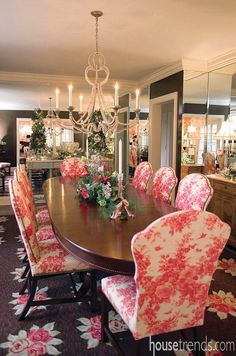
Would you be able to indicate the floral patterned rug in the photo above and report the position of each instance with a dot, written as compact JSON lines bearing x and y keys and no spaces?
{"x":70,"y":329}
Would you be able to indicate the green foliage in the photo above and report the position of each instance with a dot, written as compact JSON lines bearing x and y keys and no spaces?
{"x":97,"y":139}
{"x":38,"y":136}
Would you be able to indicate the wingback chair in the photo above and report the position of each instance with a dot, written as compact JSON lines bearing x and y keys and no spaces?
{"x":164,"y":182}
{"x":175,"y":258}
{"x":46,"y":258}
{"x":194,"y":192}
{"x":143,"y":173}
{"x":73,"y":166}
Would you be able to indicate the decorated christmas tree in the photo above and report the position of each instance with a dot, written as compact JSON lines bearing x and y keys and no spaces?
{"x":97,"y":139}
{"x":38,"y":136}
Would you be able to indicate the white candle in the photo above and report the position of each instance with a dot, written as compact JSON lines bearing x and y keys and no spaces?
{"x":57,"y":98}
{"x":120,"y":157}
{"x":70,"y":87}
{"x":137,"y":99}
{"x":87,"y":150}
{"x":81,"y":103}
{"x":116,"y":94}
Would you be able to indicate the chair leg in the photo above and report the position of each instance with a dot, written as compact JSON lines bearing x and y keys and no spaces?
{"x":25,"y":259}
{"x":104,"y":318}
{"x":24,"y":287}
{"x":31,"y":298}
{"x":26,"y":270}
{"x":94,"y":301}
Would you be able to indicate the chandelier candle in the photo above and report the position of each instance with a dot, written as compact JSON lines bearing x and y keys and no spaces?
{"x":120,"y":157}
{"x":70,"y":87}
{"x":116,"y":94}
{"x":57,"y":98}
{"x":137,"y":99}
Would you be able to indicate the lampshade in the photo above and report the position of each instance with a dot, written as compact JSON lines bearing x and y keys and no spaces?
{"x":227,"y":131}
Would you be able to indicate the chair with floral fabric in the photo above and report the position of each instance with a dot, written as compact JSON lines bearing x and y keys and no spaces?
{"x":194,"y":192}
{"x":175,"y":258}
{"x":73,"y":166}
{"x":46,"y":258}
{"x":209,"y":161}
{"x":164,"y":183}
{"x":143,"y":173}
{"x":41,"y":213}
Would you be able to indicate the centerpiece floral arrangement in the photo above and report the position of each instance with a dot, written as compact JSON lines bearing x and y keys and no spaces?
{"x":99,"y":185}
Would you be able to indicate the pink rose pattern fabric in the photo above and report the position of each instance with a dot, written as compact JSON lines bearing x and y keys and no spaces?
{"x":194,"y":192}
{"x":209,"y":163}
{"x":142,"y":175}
{"x":175,"y":258}
{"x":38,"y":341}
{"x":73,"y":166}
{"x":45,"y":257}
{"x":164,"y":182}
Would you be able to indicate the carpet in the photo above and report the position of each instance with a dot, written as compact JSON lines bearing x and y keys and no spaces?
{"x":71,"y":329}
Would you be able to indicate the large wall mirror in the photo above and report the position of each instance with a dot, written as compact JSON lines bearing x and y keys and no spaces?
{"x":209,"y":100}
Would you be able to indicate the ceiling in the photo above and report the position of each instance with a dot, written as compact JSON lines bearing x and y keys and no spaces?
{"x":55,"y":37}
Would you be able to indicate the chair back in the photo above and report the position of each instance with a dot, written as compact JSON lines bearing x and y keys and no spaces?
{"x":194,"y":192}
{"x":73,"y":166}
{"x":209,"y":163}
{"x":175,"y":258}
{"x":163,"y":184}
{"x":142,"y":175}
{"x":25,"y":220}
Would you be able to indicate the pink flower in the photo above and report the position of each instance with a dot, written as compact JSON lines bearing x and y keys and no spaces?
{"x":95,"y":328}
{"x":84,"y":193}
{"x":24,"y":297}
{"x":39,"y":335}
{"x":105,"y":166}
{"x":106,"y":179}
{"x":37,"y":349}
{"x":18,"y":346}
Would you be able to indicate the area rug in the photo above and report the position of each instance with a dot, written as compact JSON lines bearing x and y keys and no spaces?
{"x":71,"y":329}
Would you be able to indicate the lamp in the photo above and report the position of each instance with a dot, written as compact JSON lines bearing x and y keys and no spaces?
{"x":227,"y":131}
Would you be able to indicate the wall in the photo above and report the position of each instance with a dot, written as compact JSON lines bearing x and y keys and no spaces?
{"x":8,"y":130}
{"x":173,"y":83}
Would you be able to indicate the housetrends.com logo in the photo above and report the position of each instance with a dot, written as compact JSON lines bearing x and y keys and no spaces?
{"x":191,"y":346}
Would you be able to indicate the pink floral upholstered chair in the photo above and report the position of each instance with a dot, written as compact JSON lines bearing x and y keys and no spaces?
{"x":143,"y":173}
{"x":209,"y":161}
{"x":163,"y":184}
{"x":175,"y":258}
{"x":41,"y":214}
{"x":46,"y":258}
{"x":73,"y":166}
{"x":194,"y":192}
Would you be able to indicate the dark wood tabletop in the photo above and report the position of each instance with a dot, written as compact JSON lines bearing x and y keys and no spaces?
{"x":103,"y":243}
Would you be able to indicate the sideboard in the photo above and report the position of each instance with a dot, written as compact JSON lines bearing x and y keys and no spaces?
{"x":223,"y":202}
{"x":49,"y":164}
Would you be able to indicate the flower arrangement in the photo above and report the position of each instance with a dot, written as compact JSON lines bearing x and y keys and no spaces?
{"x":99,"y":185}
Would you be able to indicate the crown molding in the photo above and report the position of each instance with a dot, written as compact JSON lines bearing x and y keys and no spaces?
{"x":161,"y":73}
{"x":222,"y":60}
{"x":50,"y":79}
{"x":194,"y":65}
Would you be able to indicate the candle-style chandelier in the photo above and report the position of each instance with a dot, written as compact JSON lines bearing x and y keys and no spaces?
{"x":110,"y":121}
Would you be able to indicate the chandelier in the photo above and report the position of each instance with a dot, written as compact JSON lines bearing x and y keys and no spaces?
{"x":110,"y":121}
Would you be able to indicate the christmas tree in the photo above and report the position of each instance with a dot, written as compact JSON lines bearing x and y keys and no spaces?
{"x":38,"y":136}
{"x":97,"y":139}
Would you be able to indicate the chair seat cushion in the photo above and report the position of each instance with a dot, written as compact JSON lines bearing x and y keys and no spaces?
{"x":54,"y":259}
{"x":121,"y":293}
{"x":42,"y":217}
{"x":45,"y":233}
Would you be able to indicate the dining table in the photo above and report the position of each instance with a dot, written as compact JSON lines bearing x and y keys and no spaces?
{"x":105,"y":244}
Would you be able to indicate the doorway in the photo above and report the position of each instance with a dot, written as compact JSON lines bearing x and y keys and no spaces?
{"x":163,"y":131}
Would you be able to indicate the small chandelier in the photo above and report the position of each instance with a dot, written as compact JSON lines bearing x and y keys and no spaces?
{"x":110,"y":121}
